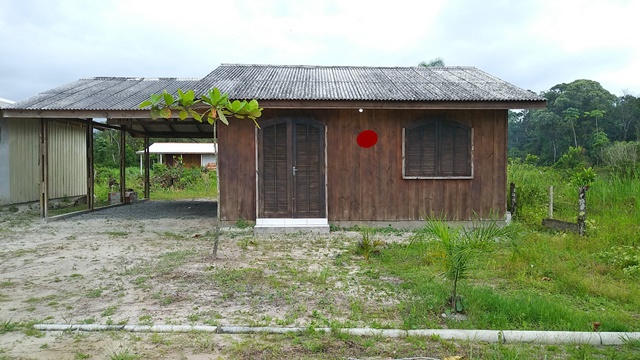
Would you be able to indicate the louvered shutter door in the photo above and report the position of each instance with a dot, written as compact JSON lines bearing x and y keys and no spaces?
{"x":275,"y":171}
{"x":309,"y":178}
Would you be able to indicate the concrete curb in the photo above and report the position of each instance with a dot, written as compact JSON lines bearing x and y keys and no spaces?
{"x":490,"y":336}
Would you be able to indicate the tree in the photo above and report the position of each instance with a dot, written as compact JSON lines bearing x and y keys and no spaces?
{"x":212,"y":106}
{"x":595,"y":114}
{"x":571,"y":115}
{"x":626,"y":115}
{"x":435,"y":62}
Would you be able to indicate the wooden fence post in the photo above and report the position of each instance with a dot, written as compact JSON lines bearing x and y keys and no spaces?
{"x":582,"y":208}
{"x":514,"y":204}
{"x":551,"y":202}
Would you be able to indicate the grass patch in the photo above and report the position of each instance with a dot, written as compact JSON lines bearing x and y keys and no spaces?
{"x":7,"y":284}
{"x":94,"y":293}
{"x":117,"y":233}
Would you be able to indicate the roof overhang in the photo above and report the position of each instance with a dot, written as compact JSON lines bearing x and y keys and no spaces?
{"x":287,"y":104}
{"x":402,"y":105}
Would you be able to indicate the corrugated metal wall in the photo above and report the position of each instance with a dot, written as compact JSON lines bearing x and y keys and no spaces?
{"x":67,"y":160}
{"x":23,"y":157}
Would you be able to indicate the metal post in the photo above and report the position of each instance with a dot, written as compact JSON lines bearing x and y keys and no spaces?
{"x":123,"y":175}
{"x":147,"y":166}
{"x":44,"y":168}
{"x":90,"y":170}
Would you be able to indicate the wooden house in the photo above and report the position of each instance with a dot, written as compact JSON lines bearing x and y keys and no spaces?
{"x":336,"y":144}
{"x":374,"y":145}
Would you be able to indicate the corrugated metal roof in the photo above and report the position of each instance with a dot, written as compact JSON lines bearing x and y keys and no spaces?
{"x":181,"y":148}
{"x":287,"y":82}
{"x":103,"y":93}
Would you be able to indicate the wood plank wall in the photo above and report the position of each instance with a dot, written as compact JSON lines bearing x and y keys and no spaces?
{"x":366,"y":184}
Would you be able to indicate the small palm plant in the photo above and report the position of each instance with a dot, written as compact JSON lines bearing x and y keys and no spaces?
{"x":460,"y":246}
{"x":368,"y":246}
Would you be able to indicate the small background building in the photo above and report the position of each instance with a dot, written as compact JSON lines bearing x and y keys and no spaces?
{"x":192,"y":154}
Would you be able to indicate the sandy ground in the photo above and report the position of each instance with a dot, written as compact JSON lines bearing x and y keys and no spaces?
{"x":139,"y":265}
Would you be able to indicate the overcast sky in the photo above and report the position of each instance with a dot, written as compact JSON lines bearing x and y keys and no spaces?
{"x":534,"y":44}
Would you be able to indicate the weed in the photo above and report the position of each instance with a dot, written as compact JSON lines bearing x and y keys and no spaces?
{"x":245,"y":242}
{"x":123,"y":354}
{"x":109,"y":311}
{"x":368,"y":246}
{"x":117,"y":233}
{"x":172,"y":235}
{"x":80,"y":356}
{"x":7,"y":326}
{"x":91,"y":320}
{"x":95,"y":293}
{"x":145,"y":320}
{"x":243,"y":224}
{"x":7,"y":283}
{"x":159,"y":339}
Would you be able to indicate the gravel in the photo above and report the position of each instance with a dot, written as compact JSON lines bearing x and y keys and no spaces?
{"x":157,"y":209}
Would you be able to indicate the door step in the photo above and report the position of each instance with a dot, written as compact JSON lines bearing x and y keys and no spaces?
{"x":274,"y":226}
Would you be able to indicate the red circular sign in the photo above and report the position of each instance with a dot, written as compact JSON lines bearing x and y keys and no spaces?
{"x":367,"y":138}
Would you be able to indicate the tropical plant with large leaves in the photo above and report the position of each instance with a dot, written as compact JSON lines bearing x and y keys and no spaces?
{"x":211,"y":106}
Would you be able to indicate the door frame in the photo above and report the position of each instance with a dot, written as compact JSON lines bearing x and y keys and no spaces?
{"x":290,"y":221}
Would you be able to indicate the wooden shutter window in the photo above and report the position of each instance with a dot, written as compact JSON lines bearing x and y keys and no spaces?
{"x":437,"y":149}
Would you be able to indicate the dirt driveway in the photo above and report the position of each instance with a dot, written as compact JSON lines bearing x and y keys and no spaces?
{"x":150,"y":263}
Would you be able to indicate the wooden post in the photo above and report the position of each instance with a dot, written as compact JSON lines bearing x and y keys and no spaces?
{"x":582,"y":208}
{"x":44,"y":168}
{"x":514,"y":203}
{"x":551,"y":202}
{"x":123,"y":175}
{"x":147,"y":166}
{"x":90,"y":172}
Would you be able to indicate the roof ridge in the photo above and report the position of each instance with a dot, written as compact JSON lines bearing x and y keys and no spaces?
{"x":132,"y":78}
{"x":349,"y":66}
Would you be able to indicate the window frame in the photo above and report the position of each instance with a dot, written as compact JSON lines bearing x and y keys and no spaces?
{"x":431,"y":177}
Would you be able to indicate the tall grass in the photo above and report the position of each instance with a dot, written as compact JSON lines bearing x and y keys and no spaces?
{"x":548,"y":280}
{"x":194,"y":183}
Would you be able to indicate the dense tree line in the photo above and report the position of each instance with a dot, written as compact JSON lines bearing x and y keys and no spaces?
{"x":581,"y":115}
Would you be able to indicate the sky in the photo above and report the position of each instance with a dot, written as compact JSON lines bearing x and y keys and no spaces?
{"x":534,"y":44}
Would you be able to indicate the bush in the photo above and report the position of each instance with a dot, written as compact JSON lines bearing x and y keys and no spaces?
{"x":573,"y":160}
{"x":622,"y":158}
{"x":176,"y":177}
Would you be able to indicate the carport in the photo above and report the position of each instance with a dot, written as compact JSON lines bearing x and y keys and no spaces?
{"x":102,"y":103}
